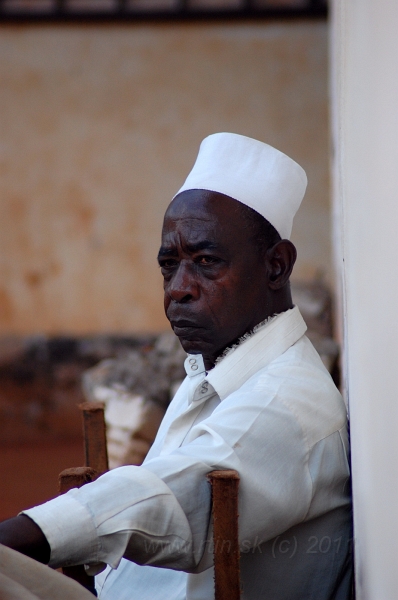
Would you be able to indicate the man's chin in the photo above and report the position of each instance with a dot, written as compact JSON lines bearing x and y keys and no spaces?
{"x":193,"y":345}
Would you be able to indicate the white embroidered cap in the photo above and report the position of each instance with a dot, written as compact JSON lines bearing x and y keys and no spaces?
{"x":253,"y":173}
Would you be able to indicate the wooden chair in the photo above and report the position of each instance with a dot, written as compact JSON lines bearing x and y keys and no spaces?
{"x":224,"y":487}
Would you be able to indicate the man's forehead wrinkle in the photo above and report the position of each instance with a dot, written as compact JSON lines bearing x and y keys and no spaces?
{"x":187,"y":224}
{"x":170,"y":243}
{"x":190,"y":231}
{"x":202,"y":245}
{"x":188,"y":218}
{"x":210,"y":223}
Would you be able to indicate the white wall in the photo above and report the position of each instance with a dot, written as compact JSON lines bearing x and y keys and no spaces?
{"x":365,"y":123}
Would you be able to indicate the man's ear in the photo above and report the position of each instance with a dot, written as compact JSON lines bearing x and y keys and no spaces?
{"x":280,"y":262}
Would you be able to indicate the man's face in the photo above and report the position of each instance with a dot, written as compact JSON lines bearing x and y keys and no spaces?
{"x":215,"y":278}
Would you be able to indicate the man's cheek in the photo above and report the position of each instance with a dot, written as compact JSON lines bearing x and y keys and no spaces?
{"x":166,"y":303}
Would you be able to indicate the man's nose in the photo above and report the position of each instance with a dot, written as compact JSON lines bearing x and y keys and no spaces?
{"x":183,"y":286}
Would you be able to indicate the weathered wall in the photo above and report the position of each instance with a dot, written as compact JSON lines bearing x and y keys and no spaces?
{"x":99,"y":127}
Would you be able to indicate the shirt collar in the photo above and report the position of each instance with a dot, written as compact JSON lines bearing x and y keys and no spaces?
{"x":194,"y":365}
{"x":252,"y":354}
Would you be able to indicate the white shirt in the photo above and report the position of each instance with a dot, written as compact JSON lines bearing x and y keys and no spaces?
{"x":270,"y":410}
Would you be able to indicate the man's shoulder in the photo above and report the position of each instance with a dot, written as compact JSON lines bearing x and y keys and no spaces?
{"x":301,"y":359}
{"x":298,"y":385}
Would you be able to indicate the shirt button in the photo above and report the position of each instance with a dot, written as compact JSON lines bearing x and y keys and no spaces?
{"x":192,"y":362}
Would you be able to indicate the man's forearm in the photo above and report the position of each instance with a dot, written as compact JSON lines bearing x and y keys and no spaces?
{"x":22,"y":534}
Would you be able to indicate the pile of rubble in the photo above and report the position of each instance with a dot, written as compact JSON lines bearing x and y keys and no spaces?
{"x":40,"y":382}
{"x":136,"y":390}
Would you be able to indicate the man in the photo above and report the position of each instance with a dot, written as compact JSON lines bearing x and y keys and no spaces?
{"x":257,"y":399}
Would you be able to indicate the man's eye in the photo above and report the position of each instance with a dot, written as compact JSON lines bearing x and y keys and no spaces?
{"x":168,"y":263}
{"x":207,"y":260}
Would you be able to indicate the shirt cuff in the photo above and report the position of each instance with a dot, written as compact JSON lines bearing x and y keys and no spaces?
{"x":63,"y":521}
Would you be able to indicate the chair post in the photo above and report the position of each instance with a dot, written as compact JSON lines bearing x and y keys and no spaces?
{"x":224,"y":485}
{"x":94,"y":431}
{"x":75,"y":478}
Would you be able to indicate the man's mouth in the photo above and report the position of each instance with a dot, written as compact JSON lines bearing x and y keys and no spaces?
{"x":184,"y":327}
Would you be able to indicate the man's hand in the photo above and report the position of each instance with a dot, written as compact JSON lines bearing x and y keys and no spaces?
{"x":22,"y":534}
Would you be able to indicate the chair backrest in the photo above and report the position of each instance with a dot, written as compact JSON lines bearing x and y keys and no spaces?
{"x":224,"y":486}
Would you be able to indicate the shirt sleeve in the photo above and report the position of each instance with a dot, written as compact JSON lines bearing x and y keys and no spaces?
{"x":127,"y":512}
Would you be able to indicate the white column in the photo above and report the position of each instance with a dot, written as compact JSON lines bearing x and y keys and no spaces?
{"x":365,"y":138}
